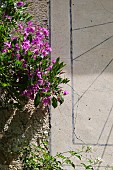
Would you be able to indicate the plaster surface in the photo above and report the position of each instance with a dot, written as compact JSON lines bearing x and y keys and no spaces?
{"x":82,"y":35}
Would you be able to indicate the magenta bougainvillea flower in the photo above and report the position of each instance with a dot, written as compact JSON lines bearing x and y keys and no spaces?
{"x":20,"y":3}
{"x":7,"y":45}
{"x":65,"y":92}
{"x":36,"y":77}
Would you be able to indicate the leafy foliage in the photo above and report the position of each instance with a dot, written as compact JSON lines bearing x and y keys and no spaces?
{"x":26,"y":70}
{"x":38,"y":158}
{"x":10,"y":14}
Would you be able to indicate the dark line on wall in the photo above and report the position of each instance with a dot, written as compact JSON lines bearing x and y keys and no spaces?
{"x":105,"y":124}
{"x":94,"y":81}
{"x":93,"y":47}
{"x":49,"y":109}
{"x":93,"y":144}
{"x":95,"y":166}
{"x":106,"y":144}
{"x":71,"y":57}
{"x":107,"y":141}
{"x":90,"y":26}
{"x":85,"y":93}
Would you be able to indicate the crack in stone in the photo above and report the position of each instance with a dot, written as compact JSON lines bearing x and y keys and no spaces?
{"x":93,"y":47}
{"x":91,"y":26}
{"x":78,"y":138}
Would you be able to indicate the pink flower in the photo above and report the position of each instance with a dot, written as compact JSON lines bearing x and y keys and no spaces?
{"x":8,"y":17}
{"x":39,"y":34}
{"x":49,"y":49}
{"x":41,"y":44}
{"x":17,"y":47}
{"x":26,"y":45}
{"x":18,"y":56}
{"x":25,"y":34}
{"x":24,"y":63}
{"x":44,"y":52}
{"x":27,"y":29}
{"x":58,"y":98}
{"x":36,"y":41}
{"x":7,"y":44}
{"x":30,"y":29}
{"x":34,"y":88}
{"x":46,"y":89}
{"x":14,"y":38}
{"x":4,"y":51}
{"x":46,"y":101}
{"x":20,"y":4}
{"x":34,"y":57}
{"x":53,"y":61}
{"x":48,"y":84}
{"x":29,"y":23}
{"x":45,"y":31}
{"x":20,"y":26}
{"x":39,"y":75}
{"x":28,"y":93}
{"x":40,"y":82}
{"x":49,"y":68}
{"x":65,"y":92}
{"x":36,"y":51}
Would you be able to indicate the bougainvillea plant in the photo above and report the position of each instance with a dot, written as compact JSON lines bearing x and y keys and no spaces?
{"x":11,"y":12}
{"x":26,"y":71}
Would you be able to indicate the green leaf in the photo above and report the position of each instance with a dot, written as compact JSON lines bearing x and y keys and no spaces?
{"x":61,"y":100}
{"x":87,"y":167}
{"x":29,"y":53}
{"x":72,"y":164}
{"x":5,"y":84}
{"x":46,"y":93}
{"x":59,"y":155}
{"x":68,"y":161}
{"x":37,"y":99}
{"x":54,"y":102}
{"x":78,"y":156}
{"x":65,"y":81}
{"x":28,"y":18}
{"x":18,"y":63}
{"x":29,"y":38}
{"x":57,"y":60}
{"x":75,"y":154}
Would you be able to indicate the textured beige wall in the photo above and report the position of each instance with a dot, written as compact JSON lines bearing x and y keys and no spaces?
{"x":86,"y":117}
{"x":29,"y":125}
{"x":39,"y":10}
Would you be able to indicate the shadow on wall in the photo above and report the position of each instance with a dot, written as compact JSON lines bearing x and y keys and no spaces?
{"x":93,"y":60}
{"x":18,"y":127}
{"x":92,"y":30}
{"x":88,"y":60}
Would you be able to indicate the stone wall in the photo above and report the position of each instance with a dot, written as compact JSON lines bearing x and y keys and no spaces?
{"x":39,"y":10}
{"x":82,"y":35}
{"x":28,"y":125}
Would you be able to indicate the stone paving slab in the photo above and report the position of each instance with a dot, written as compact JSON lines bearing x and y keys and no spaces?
{"x":82,"y":35}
